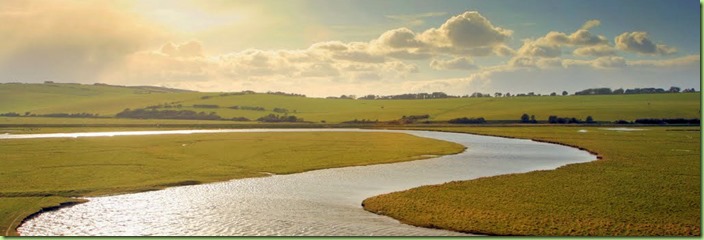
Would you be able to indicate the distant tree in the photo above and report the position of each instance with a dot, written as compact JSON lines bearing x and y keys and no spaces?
{"x":531,"y":94}
{"x":590,"y":119}
{"x":10,"y":114}
{"x":688,"y":90}
{"x":594,"y":91}
{"x":553,"y":94}
{"x":525,"y":118}
{"x":465,"y":120}
{"x":476,"y":95}
{"x":564,"y":93}
{"x":508,"y":94}
{"x":674,"y":89}
{"x":497,"y":94}
{"x":552,"y":119}
{"x":618,"y":91}
{"x":532,"y":119}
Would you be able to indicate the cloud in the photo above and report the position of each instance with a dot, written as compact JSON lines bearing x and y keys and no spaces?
{"x":590,"y":24}
{"x":638,"y":42}
{"x":540,"y":48}
{"x":552,"y":44}
{"x":609,"y":62}
{"x":460,"y":63}
{"x":469,"y":33}
{"x":467,"y":30}
{"x":584,"y":37}
{"x":187,"y":50}
{"x":333,"y":46}
{"x":400,"y":38}
{"x":597,"y":51}
{"x":691,"y":60}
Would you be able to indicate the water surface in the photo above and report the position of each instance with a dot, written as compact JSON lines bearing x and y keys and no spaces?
{"x":316,"y":203}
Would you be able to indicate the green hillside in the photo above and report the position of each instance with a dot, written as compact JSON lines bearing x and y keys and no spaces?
{"x":76,"y":98}
{"x":110,"y":100}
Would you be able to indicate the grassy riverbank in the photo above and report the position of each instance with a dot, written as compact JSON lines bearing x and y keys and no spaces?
{"x":647,"y":184}
{"x":40,"y":173}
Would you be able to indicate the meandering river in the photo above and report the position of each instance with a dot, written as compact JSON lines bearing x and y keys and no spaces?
{"x":316,"y":203}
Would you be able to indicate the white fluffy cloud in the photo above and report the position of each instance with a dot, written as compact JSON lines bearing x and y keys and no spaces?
{"x":597,"y":51}
{"x":460,"y":63}
{"x":552,"y":44}
{"x":401,"y":38}
{"x":469,"y":33}
{"x":590,"y":24}
{"x":467,"y":30}
{"x":540,"y":48}
{"x":638,"y":42}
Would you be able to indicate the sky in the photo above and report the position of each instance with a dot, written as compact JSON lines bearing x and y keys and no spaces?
{"x":354,"y":47}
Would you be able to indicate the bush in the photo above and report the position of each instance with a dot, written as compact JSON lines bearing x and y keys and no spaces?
{"x":205,"y":106}
{"x":240,"y":119}
{"x":166,"y":114}
{"x":277,"y":118}
{"x":694,"y":121}
{"x":465,"y":120}
{"x":10,"y":114}
{"x":280,"y":110}
{"x":363,"y":121}
{"x":414,"y":118}
{"x":563,"y":120}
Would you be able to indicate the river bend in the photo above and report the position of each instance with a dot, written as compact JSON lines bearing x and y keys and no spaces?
{"x":316,"y":203}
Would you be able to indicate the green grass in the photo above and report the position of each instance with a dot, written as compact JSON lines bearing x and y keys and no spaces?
{"x":43,"y":172}
{"x":76,"y":98}
{"x":602,"y":108}
{"x":647,"y":184}
{"x":109,"y":100}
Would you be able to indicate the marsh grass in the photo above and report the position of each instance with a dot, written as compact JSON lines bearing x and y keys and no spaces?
{"x":647,"y":184}
{"x":45,"y":172}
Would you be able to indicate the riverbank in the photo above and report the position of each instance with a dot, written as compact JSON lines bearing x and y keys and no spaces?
{"x":646,"y":184}
{"x":293,"y":205}
{"x":46,"y":172}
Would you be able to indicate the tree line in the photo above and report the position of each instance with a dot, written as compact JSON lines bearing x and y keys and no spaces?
{"x":192,"y":115}
{"x":607,"y":91}
{"x":590,"y":91}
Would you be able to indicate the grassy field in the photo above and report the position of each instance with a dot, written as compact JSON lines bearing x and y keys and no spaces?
{"x":76,"y":98}
{"x":45,"y":172}
{"x":110,"y":100}
{"x":647,"y":184}
{"x":602,"y":108}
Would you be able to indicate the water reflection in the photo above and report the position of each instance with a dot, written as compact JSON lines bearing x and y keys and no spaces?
{"x":317,"y":203}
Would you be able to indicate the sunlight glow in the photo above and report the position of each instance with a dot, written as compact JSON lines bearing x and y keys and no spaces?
{"x":187,"y":18}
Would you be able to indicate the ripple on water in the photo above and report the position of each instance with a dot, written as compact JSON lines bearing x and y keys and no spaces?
{"x":316,"y":203}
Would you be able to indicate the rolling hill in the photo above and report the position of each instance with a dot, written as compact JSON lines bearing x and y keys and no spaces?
{"x":107,"y":100}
